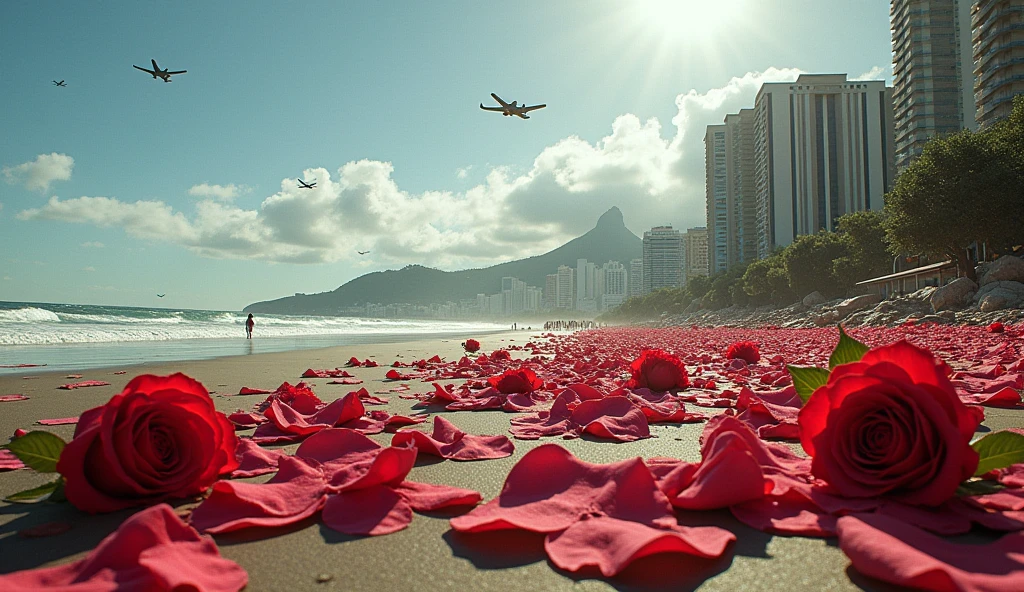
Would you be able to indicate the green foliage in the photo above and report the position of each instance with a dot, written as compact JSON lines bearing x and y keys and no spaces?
{"x":39,"y":450}
{"x":847,"y":350}
{"x":964,"y":188}
{"x":998,"y":450}
{"x":806,"y":379}
{"x":808,"y":263}
{"x":53,"y":491}
{"x":864,"y":235}
{"x":766,"y":282}
{"x":698,"y":286}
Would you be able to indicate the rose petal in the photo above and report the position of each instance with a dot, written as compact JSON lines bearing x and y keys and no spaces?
{"x":611,"y":544}
{"x":427,"y":497}
{"x":372,"y":511}
{"x":895,"y":552}
{"x":448,"y":441}
{"x":254,"y":460}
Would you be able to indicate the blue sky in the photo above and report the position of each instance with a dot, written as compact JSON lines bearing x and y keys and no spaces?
{"x":119,"y":186}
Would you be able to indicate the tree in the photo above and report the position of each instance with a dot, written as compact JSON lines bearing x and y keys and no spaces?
{"x":808,"y":261}
{"x":698,"y":285}
{"x":868,"y":257}
{"x":961,"y":190}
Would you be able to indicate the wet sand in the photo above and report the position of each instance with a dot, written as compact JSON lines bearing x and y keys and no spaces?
{"x":428,"y":555}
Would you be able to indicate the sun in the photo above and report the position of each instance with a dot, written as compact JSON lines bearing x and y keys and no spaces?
{"x":686,"y":20}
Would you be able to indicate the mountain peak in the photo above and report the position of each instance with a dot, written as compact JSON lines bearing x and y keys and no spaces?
{"x":611,"y":219}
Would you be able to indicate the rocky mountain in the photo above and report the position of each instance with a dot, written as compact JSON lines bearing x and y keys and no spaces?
{"x":609,"y":240}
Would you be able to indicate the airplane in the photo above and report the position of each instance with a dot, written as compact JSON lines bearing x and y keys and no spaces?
{"x":305,"y":185}
{"x":61,"y":83}
{"x":160,"y":295}
{"x":362,"y":252}
{"x":512,"y":108}
{"x":158,"y":73}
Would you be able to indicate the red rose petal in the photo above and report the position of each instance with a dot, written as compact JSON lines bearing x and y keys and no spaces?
{"x":9,"y":398}
{"x":372,"y":511}
{"x":152,"y":550}
{"x":895,"y":552}
{"x":253,"y":460}
{"x":611,"y":544}
{"x":295,"y":493}
{"x":58,"y":421}
{"x":427,"y":497}
{"x":44,"y":530}
{"x":448,"y":441}
{"x":253,"y":391}
{"x":10,"y":462}
{"x":87,"y":383}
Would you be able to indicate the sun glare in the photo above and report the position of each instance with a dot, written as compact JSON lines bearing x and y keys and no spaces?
{"x":686,"y":20}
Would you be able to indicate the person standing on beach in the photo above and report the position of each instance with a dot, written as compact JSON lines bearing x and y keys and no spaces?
{"x":248,"y":326}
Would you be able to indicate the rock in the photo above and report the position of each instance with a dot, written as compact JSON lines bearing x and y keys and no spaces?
{"x":813,"y":299}
{"x":829,"y":317}
{"x":1004,"y":269}
{"x":955,"y":294}
{"x":857,"y":303}
{"x":999,"y":295}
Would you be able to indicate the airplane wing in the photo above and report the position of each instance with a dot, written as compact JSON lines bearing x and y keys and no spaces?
{"x":500,"y":102}
{"x":155,"y":67}
{"x":533,"y":108}
{"x":490,"y":108}
{"x":178,"y":72}
{"x":144,"y":70}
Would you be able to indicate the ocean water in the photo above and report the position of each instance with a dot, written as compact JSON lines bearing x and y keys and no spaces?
{"x":71,"y":336}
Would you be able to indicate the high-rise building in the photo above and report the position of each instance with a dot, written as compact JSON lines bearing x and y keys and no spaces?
{"x":998,"y":37}
{"x":731,"y":193}
{"x":534,"y":297}
{"x":616,"y":284}
{"x":663,"y":259}
{"x":823,"y":147}
{"x":696,"y":252}
{"x":586,"y":285}
{"x":550,"y":291}
{"x":932,"y":61}
{"x":636,"y":277}
{"x":565,"y":297}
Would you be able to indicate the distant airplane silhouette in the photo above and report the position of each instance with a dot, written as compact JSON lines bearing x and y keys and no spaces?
{"x":362,"y":252}
{"x":61,"y":83}
{"x":304,"y":185}
{"x":160,"y":295}
{"x":512,"y":108}
{"x":158,"y":73}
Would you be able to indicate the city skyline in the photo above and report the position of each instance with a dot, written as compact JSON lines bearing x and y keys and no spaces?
{"x":123,"y":187}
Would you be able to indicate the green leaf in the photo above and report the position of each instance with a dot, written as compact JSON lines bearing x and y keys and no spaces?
{"x":998,"y":451}
{"x":39,"y":450}
{"x":978,"y":487}
{"x":806,"y":379}
{"x":37,"y":494}
{"x":847,"y":350}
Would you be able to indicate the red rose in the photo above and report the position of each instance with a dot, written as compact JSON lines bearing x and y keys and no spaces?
{"x":890,"y":424}
{"x":520,"y":380}
{"x":160,"y":438}
{"x":501,"y":354}
{"x":658,"y":370}
{"x":744,"y":350}
{"x":471,"y":345}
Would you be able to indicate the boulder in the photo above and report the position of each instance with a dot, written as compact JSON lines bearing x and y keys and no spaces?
{"x":1004,"y":269}
{"x":955,"y":294}
{"x":999,"y":295}
{"x":857,"y":303}
{"x":813,"y":299}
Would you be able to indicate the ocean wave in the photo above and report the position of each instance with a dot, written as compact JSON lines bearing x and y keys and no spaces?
{"x":28,"y":315}
{"x":117,"y":319}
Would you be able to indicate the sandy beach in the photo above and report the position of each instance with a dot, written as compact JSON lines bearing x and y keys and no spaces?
{"x":427,"y":555}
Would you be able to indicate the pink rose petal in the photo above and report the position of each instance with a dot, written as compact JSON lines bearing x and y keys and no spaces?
{"x":448,"y":441}
{"x":295,"y":493}
{"x":8,"y":398}
{"x":895,"y":552}
{"x":372,"y":511}
{"x":86,"y":383}
{"x":427,"y":497}
{"x":253,"y":460}
{"x":152,"y":550}
{"x":10,"y":462}
{"x":58,"y":421}
{"x":611,"y":545}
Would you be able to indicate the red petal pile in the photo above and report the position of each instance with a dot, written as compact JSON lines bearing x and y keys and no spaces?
{"x":448,"y":441}
{"x":83,"y":384}
{"x":359,"y":485}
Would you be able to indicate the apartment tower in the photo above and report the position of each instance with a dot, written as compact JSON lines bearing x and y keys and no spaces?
{"x":696,"y":252}
{"x":998,"y":36}
{"x":823,"y":147}
{"x":933,"y":81}
{"x":663,"y":259}
{"x":730,"y":188}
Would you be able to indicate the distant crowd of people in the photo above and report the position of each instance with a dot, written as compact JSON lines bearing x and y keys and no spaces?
{"x":569,"y":325}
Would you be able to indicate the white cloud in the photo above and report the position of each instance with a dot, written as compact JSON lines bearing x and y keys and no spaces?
{"x":38,"y":174}
{"x":7,"y":278}
{"x":463,"y":172}
{"x":877,"y":73}
{"x":89,"y":268}
{"x":93,"y":245}
{"x":653,"y":178}
{"x":219,"y":192}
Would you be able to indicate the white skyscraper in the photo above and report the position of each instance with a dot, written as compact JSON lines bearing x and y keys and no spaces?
{"x":823,"y":147}
{"x":663,"y":259}
{"x":636,"y":277}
